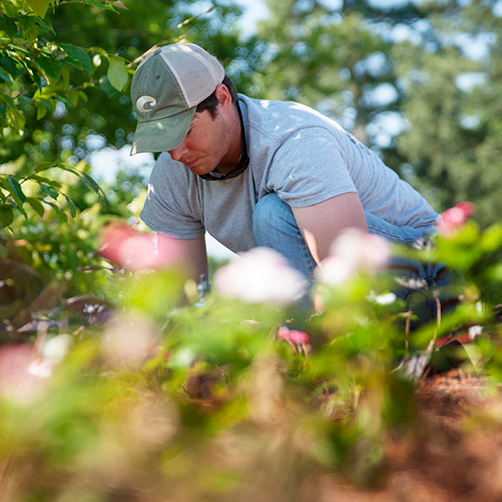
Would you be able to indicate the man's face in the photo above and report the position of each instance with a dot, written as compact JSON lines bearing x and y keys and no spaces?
{"x":206,"y":146}
{"x":212,"y":144}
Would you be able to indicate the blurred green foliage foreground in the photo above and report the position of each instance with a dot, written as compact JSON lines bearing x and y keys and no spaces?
{"x":133,"y":393}
{"x":117,"y":381}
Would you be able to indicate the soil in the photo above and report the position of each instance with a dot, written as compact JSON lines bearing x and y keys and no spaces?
{"x":455,"y":455}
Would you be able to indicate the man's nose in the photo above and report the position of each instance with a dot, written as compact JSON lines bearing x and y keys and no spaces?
{"x":178,"y":152}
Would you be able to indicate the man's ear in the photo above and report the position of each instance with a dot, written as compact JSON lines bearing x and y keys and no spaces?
{"x":223,"y":95}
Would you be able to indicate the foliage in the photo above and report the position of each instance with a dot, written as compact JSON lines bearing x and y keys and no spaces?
{"x":64,"y":84}
{"x":114,"y":387}
{"x":162,"y":390}
{"x":452,"y":78}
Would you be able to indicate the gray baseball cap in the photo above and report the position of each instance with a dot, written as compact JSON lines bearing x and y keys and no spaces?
{"x":165,"y":91}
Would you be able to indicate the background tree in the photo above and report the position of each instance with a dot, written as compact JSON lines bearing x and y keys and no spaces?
{"x":66,"y":69}
{"x":452,"y":82}
{"x":405,"y":78}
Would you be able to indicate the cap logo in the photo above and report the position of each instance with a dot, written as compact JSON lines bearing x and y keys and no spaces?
{"x":140,"y":104}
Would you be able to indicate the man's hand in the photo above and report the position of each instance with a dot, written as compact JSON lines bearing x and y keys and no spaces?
{"x":321,"y":223}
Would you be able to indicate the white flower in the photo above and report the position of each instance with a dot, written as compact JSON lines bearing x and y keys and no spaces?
{"x":335,"y":270}
{"x":260,"y":276}
{"x":363,"y":250}
{"x":475,"y":331}
{"x":57,"y":347}
{"x":385,"y":299}
{"x":41,"y":368}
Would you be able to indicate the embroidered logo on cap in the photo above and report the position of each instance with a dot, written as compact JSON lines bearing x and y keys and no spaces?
{"x":140,"y":104}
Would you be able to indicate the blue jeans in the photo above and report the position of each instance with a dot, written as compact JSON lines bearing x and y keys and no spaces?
{"x":274,"y":226}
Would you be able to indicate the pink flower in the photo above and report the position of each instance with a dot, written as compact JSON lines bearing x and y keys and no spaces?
{"x":351,"y":251}
{"x":292,"y":335}
{"x":335,"y":270}
{"x":23,"y":375}
{"x":134,"y":250}
{"x":455,"y":217}
{"x":260,"y":276}
{"x":365,"y":251}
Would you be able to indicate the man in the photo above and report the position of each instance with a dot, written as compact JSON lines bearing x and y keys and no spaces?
{"x":257,"y":173}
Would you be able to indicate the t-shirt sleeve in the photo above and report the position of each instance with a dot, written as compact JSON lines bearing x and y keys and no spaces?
{"x":308,"y":168}
{"x":168,"y":207}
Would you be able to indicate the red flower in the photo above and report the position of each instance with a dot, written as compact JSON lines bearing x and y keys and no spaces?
{"x":455,"y":217}
{"x":292,"y":335}
{"x":134,"y":250}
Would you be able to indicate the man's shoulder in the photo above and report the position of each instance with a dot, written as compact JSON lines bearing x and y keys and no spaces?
{"x":279,"y":119}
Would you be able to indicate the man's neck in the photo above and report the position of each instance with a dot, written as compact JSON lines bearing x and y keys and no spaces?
{"x":231,"y":160}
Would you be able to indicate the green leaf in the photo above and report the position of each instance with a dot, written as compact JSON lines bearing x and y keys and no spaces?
{"x":45,"y":26}
{"x":16,"y":188}
{"x":33,"y":71}
{"x":52,"y":67}
{"x":43,"y":166}
{"x":8,"y":26}
{"x":10,"y":9}
{"x":5,"y":76}
{"x":106,"y":86}
{"x":65,"y":74}
{"x":6,"y":215}
{"x":99,"y":5}
{"x":36,"y":205}
{"x":38,"y":6}
{"x":8,"y":100}
{"x":56,"y":208}
{"x":26,"y":23}
{"x":90,"y":181}
{"x":11,"y":63}
{"x":15,"y":119}
{"x":51,"y":191}
{"x":73,"y":207}
{"x":42,"y":107}
{"x":77,"y":57}
{"x":117,"y":73}
{"x":46,"y":181}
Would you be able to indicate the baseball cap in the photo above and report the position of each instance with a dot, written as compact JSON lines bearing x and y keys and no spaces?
{"x":165,"y":91}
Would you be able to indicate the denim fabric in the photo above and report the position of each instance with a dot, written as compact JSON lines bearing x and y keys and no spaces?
{"x":274,"y":226}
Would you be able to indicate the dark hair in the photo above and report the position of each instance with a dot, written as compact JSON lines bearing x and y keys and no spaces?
{"x":211,"y":103}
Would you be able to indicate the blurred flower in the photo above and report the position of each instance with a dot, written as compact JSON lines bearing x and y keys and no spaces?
{"x":130,"y":341}
{"x":260,"y":276}
{"x":365,"y":251}
{"x":135,"y":250}
{"x":455,"y":217}
{"x":335,"y":270}
{"x":292,"y":335}
{"x":351,"y":251}
{"x":41,"y":368}
{"x":475,"y":331}
{"x":57,"y":347}
{"x":385,"y":299}
{"x":23,"y":376}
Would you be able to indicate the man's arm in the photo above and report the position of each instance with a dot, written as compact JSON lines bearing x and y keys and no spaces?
{"x":321,"y":223}
{"x":193,"y":252}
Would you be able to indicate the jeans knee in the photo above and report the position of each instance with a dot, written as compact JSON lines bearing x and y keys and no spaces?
{"x":265,"y":214}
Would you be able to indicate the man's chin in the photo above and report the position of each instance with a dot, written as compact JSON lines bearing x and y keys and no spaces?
{"x":201,"y":169}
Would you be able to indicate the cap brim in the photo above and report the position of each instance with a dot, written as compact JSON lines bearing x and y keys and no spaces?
{"x":162,"y":135}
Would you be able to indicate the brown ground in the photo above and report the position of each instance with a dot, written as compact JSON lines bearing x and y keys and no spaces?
{"x":456,"y":454}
